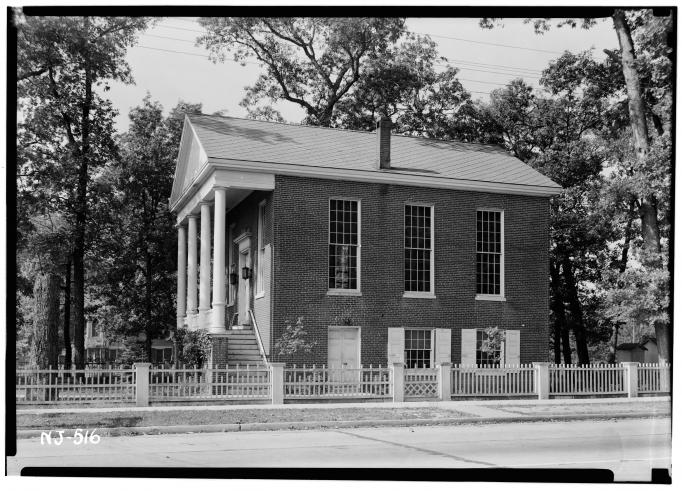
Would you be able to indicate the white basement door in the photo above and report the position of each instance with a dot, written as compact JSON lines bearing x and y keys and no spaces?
{"x":344,"y":347}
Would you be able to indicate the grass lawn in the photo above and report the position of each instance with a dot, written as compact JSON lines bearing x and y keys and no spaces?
{"x":641,"y":405}
{"x":184,"y":417}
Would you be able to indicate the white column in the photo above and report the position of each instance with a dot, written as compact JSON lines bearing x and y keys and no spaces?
{"x":205,"y":263}
{"x":218,"y":323}
{"x":182,"y":275}
{"x":192,"y":265}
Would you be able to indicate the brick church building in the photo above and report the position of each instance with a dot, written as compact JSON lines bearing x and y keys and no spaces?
{"x":390,"y":248}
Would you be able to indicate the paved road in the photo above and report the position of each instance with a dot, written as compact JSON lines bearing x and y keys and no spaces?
{"x":628,"y":447}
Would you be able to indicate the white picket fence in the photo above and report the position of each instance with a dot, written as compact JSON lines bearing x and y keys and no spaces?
{"x":505,"y":380}
{"x":277,"y":383}
{"x":653,"y":378}
{"x":587,"y":380}
{"x":187,"y":384}
{"x":61,"y":386}
{"x":337,"y":383}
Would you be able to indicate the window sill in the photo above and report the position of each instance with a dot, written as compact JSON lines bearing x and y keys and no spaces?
{"x":344,"y":293}
{"x":491,"y":298}
{"x":259,"y":295}
{"x":419,"y":295}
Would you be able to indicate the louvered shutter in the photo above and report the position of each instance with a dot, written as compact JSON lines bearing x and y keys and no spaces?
{"x":396,"y":345}
{"x":468,"y":347}
{"x":443,"y":346}
{"x":512,"y":347}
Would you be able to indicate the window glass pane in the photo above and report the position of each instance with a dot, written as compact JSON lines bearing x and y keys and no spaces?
{"x":343,"y":244}
{"x":417,"y":348}
{"x":488,"y":252}
{"x":418,"y":246}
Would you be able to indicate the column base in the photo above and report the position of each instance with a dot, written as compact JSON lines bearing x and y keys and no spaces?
{"x":217,"y":322}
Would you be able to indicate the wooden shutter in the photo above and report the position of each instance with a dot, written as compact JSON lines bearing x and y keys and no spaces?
{"x":396,"y":345}
{"x":512,"y":347}
{"x":468,"y":347}
{"x":443,"y":346}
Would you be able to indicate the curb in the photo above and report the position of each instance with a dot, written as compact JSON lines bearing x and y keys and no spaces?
{"x":310,"y":425}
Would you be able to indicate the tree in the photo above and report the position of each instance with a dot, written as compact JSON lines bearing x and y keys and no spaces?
{"x":137,"y":270}
{"x":646,"y":176}
{"x":422,"y":101}
{"x":310,"y":61}
{"x":41,"y":260}
{"x":62,"y":63}
{"x":558,"y":134}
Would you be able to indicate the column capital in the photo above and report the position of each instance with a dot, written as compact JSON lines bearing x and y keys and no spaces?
{"x":193,"y":216}
{"x":178,"y":226}
{"x":220,"y":188}
{"x":205,"y":202}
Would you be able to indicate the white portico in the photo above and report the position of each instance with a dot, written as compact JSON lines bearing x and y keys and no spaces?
{"x":204,"y":189}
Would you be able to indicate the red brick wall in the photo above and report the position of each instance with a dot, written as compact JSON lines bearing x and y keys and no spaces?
{"x":300,"y":214}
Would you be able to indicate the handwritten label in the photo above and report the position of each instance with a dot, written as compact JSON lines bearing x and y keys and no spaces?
{"x":80,"y":437}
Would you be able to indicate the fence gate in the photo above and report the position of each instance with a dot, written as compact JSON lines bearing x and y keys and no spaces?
{"x":421,"y":383}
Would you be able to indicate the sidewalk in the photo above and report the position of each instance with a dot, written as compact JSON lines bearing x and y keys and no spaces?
{"x":258,"y":417}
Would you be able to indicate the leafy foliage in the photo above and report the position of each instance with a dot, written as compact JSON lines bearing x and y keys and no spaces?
{"x":194,"y":347}
{"x":293,"y":339}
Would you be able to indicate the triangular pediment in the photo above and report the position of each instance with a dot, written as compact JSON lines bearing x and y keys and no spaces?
{"x":191,"y":160}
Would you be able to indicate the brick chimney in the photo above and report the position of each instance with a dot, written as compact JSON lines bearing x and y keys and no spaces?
{"x":384,"y":142}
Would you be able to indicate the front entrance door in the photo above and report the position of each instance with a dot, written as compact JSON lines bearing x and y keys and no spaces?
{"x":344,"y":347}
{"x":243,"y":289}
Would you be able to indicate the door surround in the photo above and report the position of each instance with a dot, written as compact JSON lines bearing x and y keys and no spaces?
{"x":243,"y":243}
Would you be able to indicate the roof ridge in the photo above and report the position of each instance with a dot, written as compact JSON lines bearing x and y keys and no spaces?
{"x":301,"y":125}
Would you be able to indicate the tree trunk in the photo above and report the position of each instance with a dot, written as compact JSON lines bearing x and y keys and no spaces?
{"x":148,"y":305}
{"x":566,"y":346}
{"x":67,"y":317}
{"x":614,"y":343}
{"x":648,"y":210}
{"x":81,"y":218}
{"x":576,"y":311}
{"x":558,"y":308}
{"x":45,"y":346}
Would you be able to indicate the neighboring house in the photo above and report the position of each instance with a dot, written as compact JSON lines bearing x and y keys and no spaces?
{"x":645,"y":351}
{"x":391,"y":248}
{"x":100,"y":350}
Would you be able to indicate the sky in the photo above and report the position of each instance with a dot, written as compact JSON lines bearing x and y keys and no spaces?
{"x":167,"y":64}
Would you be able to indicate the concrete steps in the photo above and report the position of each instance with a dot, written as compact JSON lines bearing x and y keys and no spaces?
{"x":242,"y":347}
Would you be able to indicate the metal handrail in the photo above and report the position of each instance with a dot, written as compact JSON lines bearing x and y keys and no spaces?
{"x":258,"y":338}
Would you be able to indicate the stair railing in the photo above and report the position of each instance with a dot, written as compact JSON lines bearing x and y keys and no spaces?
{"x":258,"y":338}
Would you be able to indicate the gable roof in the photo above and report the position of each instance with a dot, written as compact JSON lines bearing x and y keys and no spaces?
{"x":278,"y":146}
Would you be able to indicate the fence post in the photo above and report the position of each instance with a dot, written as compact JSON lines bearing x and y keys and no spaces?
{"x":630,"y":375}
{"x":277,"y":383}
{"x":542,"y":379}
{"x":444,"y":381}
{"x":398,"y":372}
{"x":664,"y":373}
{"x":142,"y":384}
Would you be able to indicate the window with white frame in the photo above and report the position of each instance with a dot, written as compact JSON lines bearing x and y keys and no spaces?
{"x":261,"y":249}
{"x":418,"y":348}
{"x":418,"y":248}
{"x":489,"y":252}
{"x":344,"y":244}
{"x":491,"y":356}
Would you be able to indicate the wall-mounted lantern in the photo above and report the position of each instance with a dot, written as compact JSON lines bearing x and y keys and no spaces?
{"x":233,"y":274}
{"x":246,"y":272}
